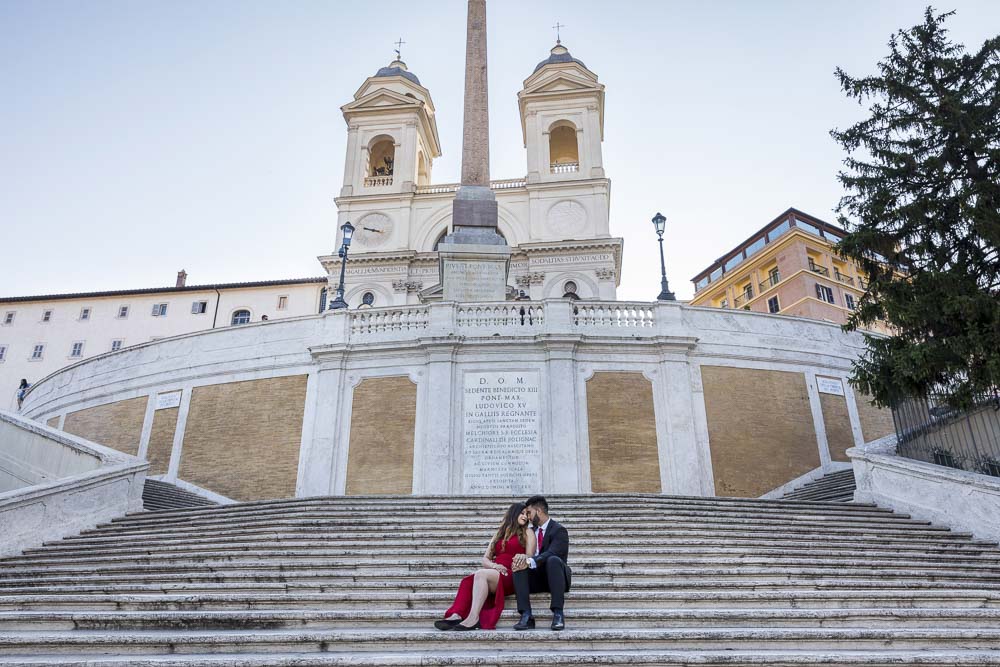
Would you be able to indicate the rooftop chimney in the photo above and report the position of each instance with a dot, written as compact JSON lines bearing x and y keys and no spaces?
{"x":182,"y":278}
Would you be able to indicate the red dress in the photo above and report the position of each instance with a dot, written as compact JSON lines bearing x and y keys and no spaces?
{"x":493,"y":606}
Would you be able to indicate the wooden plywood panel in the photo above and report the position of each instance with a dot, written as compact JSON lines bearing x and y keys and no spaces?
{"x":760,"y":429}
{"x":622,"y":433}
{"x":161,"y":440}
{"x":52,"y":422}
{"x":117,"y":425}
{"x":242,"y":439}
{"x":837,"y":420}
{"x":383,"y":419}
{"x":875,"y":422}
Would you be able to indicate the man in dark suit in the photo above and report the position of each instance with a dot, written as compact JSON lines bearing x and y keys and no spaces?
{"x":546,"y":569}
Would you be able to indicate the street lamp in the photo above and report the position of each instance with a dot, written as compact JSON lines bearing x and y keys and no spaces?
{"x":348,"y":229}
{"x":659,"y":222}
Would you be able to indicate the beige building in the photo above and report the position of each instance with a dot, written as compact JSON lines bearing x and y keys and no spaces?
{"x":787,"y":267}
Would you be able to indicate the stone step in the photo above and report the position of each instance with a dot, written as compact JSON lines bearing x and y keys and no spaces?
{"x":179,"y":641}
{"x":470,"y":552}
{"x":274,"y":572}
{"x":582,"y":618}
{"x":576,"y":657}
{"x":751,"y":597}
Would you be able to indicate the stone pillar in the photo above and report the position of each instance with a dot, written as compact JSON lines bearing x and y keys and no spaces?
{"x":476,"y":128}
{"x":563,"y":462}
{"x":436,"y":472}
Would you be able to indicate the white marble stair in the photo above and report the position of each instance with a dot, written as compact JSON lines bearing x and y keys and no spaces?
{"x":837,"y":487}
{"x":358,"y":581}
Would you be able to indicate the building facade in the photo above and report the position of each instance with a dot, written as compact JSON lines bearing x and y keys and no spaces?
{"x":787,"y":267}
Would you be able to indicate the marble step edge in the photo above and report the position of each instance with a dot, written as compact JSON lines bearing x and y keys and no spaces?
{"x":877,"y":657}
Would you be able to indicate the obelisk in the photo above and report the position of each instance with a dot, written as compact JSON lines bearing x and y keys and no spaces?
{"x":474,"y":258}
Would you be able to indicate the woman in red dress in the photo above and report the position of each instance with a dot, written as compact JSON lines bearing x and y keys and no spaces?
{"x":479,"y":602}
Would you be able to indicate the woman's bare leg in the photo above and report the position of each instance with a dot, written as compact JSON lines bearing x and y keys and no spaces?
{"x":484,"y":583}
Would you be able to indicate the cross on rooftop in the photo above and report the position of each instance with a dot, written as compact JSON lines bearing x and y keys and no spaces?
{"x":399,"y":44}
{"x":556,"y":27}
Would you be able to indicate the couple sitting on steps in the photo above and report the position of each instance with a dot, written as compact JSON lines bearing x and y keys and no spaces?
{"x":527,"y":555}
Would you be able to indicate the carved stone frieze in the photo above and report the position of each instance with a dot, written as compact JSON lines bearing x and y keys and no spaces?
{"x":605,"y":274}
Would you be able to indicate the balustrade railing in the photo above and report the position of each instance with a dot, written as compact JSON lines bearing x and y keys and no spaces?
{"x":847,"y":280}
{"x":772,"y":280}
{"x":505,"y":184}
{"x":378,"y":181}
{"x":821,"y":270}
{"x":565,"y":168}
{"x":374,"y":321}
{"x":515,"y":314}
{"x":614,"y":315}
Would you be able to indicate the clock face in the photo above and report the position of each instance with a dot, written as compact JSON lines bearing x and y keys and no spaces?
{"x":373,"y":231}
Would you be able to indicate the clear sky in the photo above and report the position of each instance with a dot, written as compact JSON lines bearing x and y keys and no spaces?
{"x":140,"y":138}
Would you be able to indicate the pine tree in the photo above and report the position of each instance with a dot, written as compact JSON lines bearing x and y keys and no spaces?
{"x":922,"y":210}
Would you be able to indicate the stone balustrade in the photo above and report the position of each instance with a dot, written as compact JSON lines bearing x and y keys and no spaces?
{"x":378,"y":181}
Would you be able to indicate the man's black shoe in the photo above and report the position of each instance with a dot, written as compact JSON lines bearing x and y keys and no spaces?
{"x":527,"y":622}
{"x":558,"y":620}
{"x":445,"y":624}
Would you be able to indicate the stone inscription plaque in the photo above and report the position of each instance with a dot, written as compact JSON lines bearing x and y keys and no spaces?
{"x":501,"y":444}
{"x":474,"y":280}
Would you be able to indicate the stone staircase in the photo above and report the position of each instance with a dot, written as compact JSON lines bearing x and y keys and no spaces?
{"x":837,"y":487}
{"x":658,"y":580}
{"x":157,"y":495}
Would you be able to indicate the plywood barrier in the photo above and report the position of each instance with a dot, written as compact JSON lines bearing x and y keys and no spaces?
{"x":53,"y":422}
{"x":383,"y":419}
{"x":161,"y":440}
{"x":837,"y":421}
{"x":117,"y":425}
{"x":242,"y":439}
{"x":622,"y":433}
{"x":760,"y":429}
{"x":875,"y":422}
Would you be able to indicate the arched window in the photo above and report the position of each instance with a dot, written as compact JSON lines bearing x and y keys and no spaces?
{"x":564,"y":154}
{"x":569,"y":291}
{"x":241,"y":316}
{"x":368,"y":300}
{"x":322,"y":300}
{"x":381,"y":162}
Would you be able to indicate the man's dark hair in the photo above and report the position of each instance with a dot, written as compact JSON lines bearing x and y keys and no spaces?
{"x":539,"y":502}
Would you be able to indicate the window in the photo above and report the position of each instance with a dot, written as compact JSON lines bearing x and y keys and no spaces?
{"x":701,"y":284}
{"x":774,"y":276}
{"x":122,"y":312}
{"x":849,"y":301}
{"x":778,"y":231}
{"x":47,"y":316}
{"x":77,"y":350}
{"x":84,"y":314}
{"x":748,"y":292}
{"x":715,"y":275}
{"x":724,"y":303}
{"x":806,"y":227}
{"x":773,"y":306}
{"x":368,"y":299}
{"x":199,"y":307}
{"x":733,"y":262}
{"x":282,"y":302}
{"x":116,"y":344}
{"x":3,"y":353}
{"x":241,"y":316}
{"x":37,"y":352}
{"x":824,"y":293}
{"x":756,"y":246}
{"x":8,"y":318}
{"x":159,"y":310}
{"x":322,"y":300}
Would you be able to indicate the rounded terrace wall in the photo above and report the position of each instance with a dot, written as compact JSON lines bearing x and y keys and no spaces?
{"x":618,"y":396}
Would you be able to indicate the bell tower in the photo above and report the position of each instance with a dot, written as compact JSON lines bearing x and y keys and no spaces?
{"x":392,"y":136}
{"x":562,"y":119}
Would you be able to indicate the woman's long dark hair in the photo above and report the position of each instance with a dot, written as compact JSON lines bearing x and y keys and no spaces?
{"x":509,"y":527}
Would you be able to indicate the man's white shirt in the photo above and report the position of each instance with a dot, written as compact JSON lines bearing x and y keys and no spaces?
{"x":538,"y":543}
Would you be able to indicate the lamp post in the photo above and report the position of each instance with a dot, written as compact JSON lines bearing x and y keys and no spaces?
{"x":348,"y":229}
{"x":660,"y":222}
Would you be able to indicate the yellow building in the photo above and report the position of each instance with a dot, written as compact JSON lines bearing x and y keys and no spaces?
{"x":787,"y":267}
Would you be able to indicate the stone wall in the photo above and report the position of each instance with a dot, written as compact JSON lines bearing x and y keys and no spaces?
{"x":622,"y":434}
{"x":839,"y":436}
{"x":760,"y":429}
{"x":383,"y":419}
{"x":161,"y":440}
{"x":117,"y":425}
{"x":242,"y":439}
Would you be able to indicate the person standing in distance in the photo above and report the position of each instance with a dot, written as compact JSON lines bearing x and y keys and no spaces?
{"x":544,"y":571}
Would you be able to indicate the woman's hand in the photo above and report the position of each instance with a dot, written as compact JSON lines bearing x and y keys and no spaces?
{"x":500,"y":568}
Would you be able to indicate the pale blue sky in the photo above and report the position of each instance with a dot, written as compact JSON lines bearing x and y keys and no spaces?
{"x":139,"y":138}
